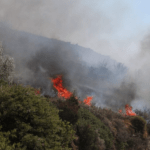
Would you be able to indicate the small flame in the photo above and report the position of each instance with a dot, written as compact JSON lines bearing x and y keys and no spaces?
{"x":120,"y":111}
{"x":37,"y":92}
{"x":88,"y":100}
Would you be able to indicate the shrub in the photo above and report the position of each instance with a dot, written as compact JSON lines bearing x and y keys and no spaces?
{"x":87,"y":126}
{"x":139,"y":125}
{"x":68,"y":109}
{"x":146,"y":115}
{"x":122,"y":128}
{"x":29,"y":121}
{"x":122,"y":134}
{"x":5,"y":143}
{"x":121,"y":145}
{"x":136,"y":143}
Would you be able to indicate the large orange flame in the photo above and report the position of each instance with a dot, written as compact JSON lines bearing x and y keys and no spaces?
{"x":64,"y":93}
{"x":88,"y":100}
{"x":129,"y":111}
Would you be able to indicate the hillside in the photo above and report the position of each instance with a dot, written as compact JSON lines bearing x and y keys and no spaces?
{"x":64,"y":122}
{"x":30,"y":121}
{"x":37,"y":58}
{"x":55,"y":100}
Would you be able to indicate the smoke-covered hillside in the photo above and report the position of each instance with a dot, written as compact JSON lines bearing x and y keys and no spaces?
{"x":39,"y":58}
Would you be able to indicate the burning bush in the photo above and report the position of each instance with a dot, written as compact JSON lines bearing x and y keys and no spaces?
{"x":129,"y":111}
{"x":29,"y":122}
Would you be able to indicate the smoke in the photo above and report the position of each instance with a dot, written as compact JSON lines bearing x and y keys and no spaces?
{"x":141,"y":73}
{"x":85,"y":22}
{"x":37,"y":59}
{"x":90,"y":24}
{"x":121,"y":95}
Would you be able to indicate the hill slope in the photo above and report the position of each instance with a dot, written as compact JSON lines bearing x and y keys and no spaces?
{"x":37,"y":58}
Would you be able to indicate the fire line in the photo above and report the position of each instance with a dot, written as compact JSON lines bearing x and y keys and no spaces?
{"x":64,"y":93}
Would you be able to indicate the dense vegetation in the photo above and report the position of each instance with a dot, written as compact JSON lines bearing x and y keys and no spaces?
{"x":120,"y":132}
{"x":29,"y":121}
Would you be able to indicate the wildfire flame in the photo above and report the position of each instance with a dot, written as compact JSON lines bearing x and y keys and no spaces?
{"x":129,"y":111}
{"x":63,"y":92}
{"x":88,"y":100}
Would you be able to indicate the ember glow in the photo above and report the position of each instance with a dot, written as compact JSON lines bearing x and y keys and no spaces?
{"x":129,"y":111}
{"x":64,"y":93}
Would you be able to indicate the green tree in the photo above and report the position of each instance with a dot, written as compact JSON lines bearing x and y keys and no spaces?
{"x":30,"y":122}
{"x":92,"y":131}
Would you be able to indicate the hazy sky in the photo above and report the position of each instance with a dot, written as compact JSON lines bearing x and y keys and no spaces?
{"x":110,"y":27}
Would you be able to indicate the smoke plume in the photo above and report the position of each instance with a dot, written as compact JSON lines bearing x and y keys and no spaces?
{"x":84,"y":22}
{"x":141,"y":67}
{"x":38,"y":58}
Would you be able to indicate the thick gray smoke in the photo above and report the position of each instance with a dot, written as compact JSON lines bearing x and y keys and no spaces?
{"x":141,"y":64}
{"x":38,"y":58}
{"x":90,"y":24}
{"x":117,"y":97}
